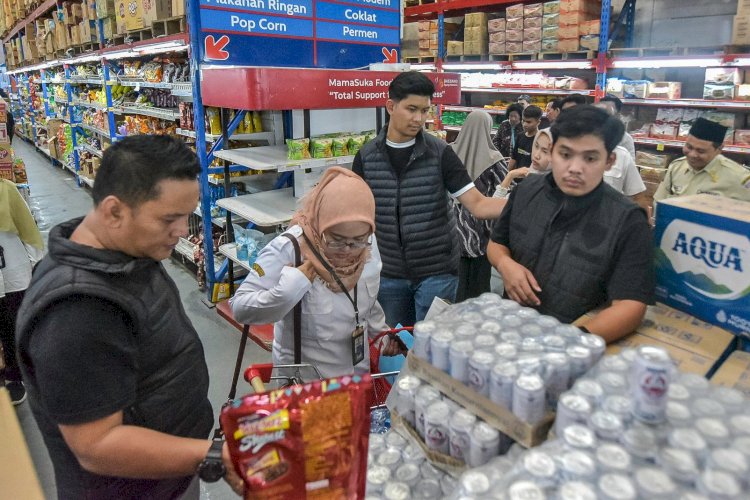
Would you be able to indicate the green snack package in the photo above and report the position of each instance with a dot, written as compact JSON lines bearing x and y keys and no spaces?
{"x":355,"y":143}
{"x":341,"y":146}
{"x":298,"y":149}
{"x":321,"y":147}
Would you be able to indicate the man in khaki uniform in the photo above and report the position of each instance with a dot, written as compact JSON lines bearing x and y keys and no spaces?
{"x":704,"y":169}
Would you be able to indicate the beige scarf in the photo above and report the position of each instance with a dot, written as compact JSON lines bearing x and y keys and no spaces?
{"x":474,"y":144}
{"x":15,"y":216}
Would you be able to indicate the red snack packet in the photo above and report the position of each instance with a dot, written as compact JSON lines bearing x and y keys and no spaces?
{"x":302,"y":442}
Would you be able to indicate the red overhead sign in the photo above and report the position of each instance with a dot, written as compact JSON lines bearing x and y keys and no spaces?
{"x":258,"y":88}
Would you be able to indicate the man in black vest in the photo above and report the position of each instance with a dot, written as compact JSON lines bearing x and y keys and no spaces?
{"x":115,"y":371}
{"x":412,"y":174}
{"x":567,"y":242}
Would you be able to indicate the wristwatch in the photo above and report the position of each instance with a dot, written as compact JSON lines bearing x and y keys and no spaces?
{"x":211,"y":469}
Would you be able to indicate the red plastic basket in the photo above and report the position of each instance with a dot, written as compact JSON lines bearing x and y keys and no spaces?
{"x":381,"y":386}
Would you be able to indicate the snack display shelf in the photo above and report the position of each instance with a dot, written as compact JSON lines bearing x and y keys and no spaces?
{"x":254,"y":183}
{"x":229,"y":250}
{"x":93,"y":129}
{"x":469,"y":109}
{"x":275,"y":158}
{"x":85,"y":81}
{"x":145,"y":84}
{"x":521,"y":90}
{"x":689,"y":103}
{"x":671,"y":143}
{"x":53,"y":82}
{"x":218,"y":221}
{"x":161,"y":113}
{"x":182,"y":89}
{"x":86,"y":180}
{"x":258,"y":136}
{"x":87,"y":104}
{"x":90,"y":149}
{"x":269,"y":208}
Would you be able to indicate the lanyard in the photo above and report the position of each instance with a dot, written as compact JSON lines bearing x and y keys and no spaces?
{"x":335,"y":277}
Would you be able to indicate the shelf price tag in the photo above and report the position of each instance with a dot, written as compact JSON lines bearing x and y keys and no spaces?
{"x":660,"y":147}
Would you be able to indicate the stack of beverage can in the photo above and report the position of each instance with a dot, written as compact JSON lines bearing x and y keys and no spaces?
{"x":634,"y":428}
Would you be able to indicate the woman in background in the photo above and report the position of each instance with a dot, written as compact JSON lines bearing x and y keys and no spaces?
{"x":20,"y":248}
{"x":541,"y":163}
{"x":510,"y":128}
{"x":487,"y":168}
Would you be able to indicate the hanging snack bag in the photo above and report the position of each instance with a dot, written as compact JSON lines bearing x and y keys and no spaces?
{"x":298,"y":149}
{"x":303,"y":442}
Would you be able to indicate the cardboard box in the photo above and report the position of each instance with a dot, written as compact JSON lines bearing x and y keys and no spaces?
{"x":532,"y":22}
{"x":4,"y":139}
{"x":6,"y":154}
{"x":742,"y":137}
{"x":155,"y":10}
{"x":514,"y":24}
{"x":533,"y":10}
{"x":592,"y":27}
{"x":20,"y":480}
{"x":476,"y":34}
{"x":178,"y":8}
{"x":455,"y":48}
{"x":735,"y":372}
{"x":551,"y":20}
{"x":497,"y":37}
{"x":475,"y":48}
{"x":652,"y":174}
{"x":652,"y":160}
{"x":513,"y":47}
{"x":725,"y":76}
{"x":550,"y":33}
{"x":664,"y":90}
{"x":109,"y":27}
{"x":105,"y":8}
{"x":497,"y":48}
{"x":567,"y":32}
{"x":568,"y":44}
{"x":514,"y":10}
{"x":635,"y":89}
{"x":573,"y":18}
{"x":493,"y":414}
{"x":549,"y":45}
{"x":496,"y":25}
{"x":75,"y":35}
{"x":514,"y":36}
{"x":130,"y":14}
{"x":590,"y":42}
{"x":742,"y":92}
{"x":551,"y":7}
{"x":476,"y":20}
{"x":532,"y":45}
{"x":532,"y":35}
{"x":718,"y":91}
{"x":588,"y":6}
{"x":741,"y":30}
{"x":702,"y":259}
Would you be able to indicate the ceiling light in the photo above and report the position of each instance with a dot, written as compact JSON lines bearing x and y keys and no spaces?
{"x":670,"y":62}
{"x":552,"y":64}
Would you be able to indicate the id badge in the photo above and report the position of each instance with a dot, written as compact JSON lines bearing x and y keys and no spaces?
{"x":358,"y":345}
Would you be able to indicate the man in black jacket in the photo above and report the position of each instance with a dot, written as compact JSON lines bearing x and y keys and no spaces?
{"x":115,"y":371}
{"x":412,"y":174}
{"x":568,"y":243}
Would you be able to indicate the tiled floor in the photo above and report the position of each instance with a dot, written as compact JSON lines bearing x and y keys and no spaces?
{"x":55,"y":197}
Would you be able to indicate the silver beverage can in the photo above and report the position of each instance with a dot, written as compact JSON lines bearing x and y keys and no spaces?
{"x":678,"y":415}
{"x":548,"y":323}
{"x":595,"y":344}
{"x":713,"y":431}
{"x":640,"y":443}
{"x":612,"y":457}
{"x":731,"y":461}
{"x":480,"y":365}
{"x":458,"y":358}
{"x":606,"y":425}
{"x":376,"y":443}
{"x":527,"y":314}
{"x":429,"y":471}
{"x":396,"y":491}
{"x":572,"y":409}
{"x":440,"y":344}
{"x":393,"y":439}
{"x":652,"y":373}
{"x":491,"y":327}
{"x":531,"y":330}
{"x":472,"y":318}
{"x":589,"y":389}
{"x":377,"y":477}
{"x":511,"y":322}
{"x":508,"y":305}
{"x":580,"y":360}
{"x":427,"y":488}
{"x":436,"y":427}
{"x":484,"y":444}
{"x":719,"y":485}
{"x":407,"y":474}
{"x":422,"y":333}
{"x":678,"y":392}
{"x":540,"y":466}
{"x":502,"y":379}
{"x":613,"y":364}
{"x":707,"y":407}
{"x":506,"y":350}
{"x":612,"y":383}
{"x":679,"y":464}
{"x":532,"y":345}
{"x":568,"y":332}
{"x":426,"y":395}
{"x":579,"y":437}
{"x":554,"y":343}
{"x":654,"y":483}
{"x":459,"y":434}
{"x":622,"y":406}
{"x":529,"y":398}
{"x":465,"y":331}
{"x":577,"y":465}
{"x":688,"y":439}
{"x":511,"y":336}
{"x":484,"y":342}
{"x":556,"y":376}
{"x":616,"y":487}
{"x":525,"y":490}
{"x":694,"y":383}
{"x":412,"y":454}
{"x":740,"y":425}
{"x":577,"y":490}
{"x":494,"y":312}
{"x":390,"y":458}
{"x":406,"y":390}
{"x":447,"y":485}
{"x":474,"y":483}
{"x":732,"y":399}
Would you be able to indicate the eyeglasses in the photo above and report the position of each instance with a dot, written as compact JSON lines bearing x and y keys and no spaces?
{"x":342,"y":244}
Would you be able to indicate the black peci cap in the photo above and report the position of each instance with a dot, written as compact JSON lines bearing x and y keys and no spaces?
{"x":706,"y":130}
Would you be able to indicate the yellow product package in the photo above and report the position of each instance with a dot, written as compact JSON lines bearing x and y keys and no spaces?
{"x":340,"y":146}
{"x":321,"y":147}
{"x":298,"y":149}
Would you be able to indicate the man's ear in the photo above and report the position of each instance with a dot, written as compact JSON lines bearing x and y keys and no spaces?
{"x":390,"y":104}
{"x":112,"y":211}
{"x":611,"y":159}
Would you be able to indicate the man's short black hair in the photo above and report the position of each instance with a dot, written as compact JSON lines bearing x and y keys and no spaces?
{"x":132,"y":168}
{"x":589,"y":120}
{"x":410,"y":83}
{"x":532,"y":111}
{"x":614,"y":99}
{"x":556,"y":104}
{"x":576,"y":99}
{"x":515,"y":107}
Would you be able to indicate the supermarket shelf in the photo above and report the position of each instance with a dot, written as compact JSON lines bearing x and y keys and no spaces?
{"x":144,"y":83}
{"x":94,"y":129}
{"x":85,"y":81}
{"x":41,"y":10}
{"x":668,"y":143}
{"x":90,"y":149}
{"x":521,"y":90}
{"x":468,"y":109}
{"x":229,"y":250}
{"x":161,"y":113}
{"x":86,"y":180}
{"x":185,"y":248}
{"x":86,"y":104}
{"x":275,"y":158}
{"x":269,"y":208}
{"x":182,"y":89}
{"x":256,"y":183}
{"x":689,"y":103}
{"x":259,"y":136}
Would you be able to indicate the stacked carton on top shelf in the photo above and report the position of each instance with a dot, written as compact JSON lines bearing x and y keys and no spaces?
{"x":476,"y":35}
{"x":496,"y":32}
{"x":428,"y":38}
{"x":576,"y":20}
{"x":741,"y":27}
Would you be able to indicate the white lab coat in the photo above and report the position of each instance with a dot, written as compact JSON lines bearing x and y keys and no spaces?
{"x":269,"y":293}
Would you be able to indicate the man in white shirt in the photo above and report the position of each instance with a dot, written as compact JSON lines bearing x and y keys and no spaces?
{"x":613,"y":105}
{"x":624,"y":177}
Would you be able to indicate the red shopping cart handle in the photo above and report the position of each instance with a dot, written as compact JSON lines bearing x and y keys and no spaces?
{"x":260,"y":370}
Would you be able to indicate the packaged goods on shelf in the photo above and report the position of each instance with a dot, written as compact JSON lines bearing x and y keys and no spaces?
{"x":497,"y":37}
{"x":635,"y":89}
{"x":475,"y":48}
{"x":689,"y":116}
{"x":549,"y":45}
{"x":741,"y":30}
{"x":514,"y":11}
{"x":321,"y":147}
{"x":550,"y":33}
{"x":532,"y":22}
{"x":476,"y":34}
{"x":590,"y":42}
{"x":514,"y":47}
{"x":551,"y":7}
{"x":587,"y":6}
{"x":455,"y":48}
{"x":568,"y":44}
{"x":551,"y":20}
{"x":742,"y":137}
{"x":734,"y":372}
{"x":567,"y":32}
{"x":651,"y":174}
{"x":496,"y":25}
{"x":718,"y":91}
{"x":533,"y":10}
{"x":734,"y":76}
{"x":298,"y":149}
{"x":532,"y":34}
{"x":410,"y":40}
{"x":514,"y":35}
{"x":664,"y":90}
{"x":532,"y":45}
{"x":592,"y":27}
{"x":476,"y":20}
{"x":497,"y":48}
{"x":645,"y":159}
{"x":573,"y":18}
{"x":701,"y":250}
{"x":514,"y":24}
{"x":667,"y":122}
{"x":742,"y":92}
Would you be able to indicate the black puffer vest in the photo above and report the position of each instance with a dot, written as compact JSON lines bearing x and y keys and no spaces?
{"x":414,"y":224}
{"x":583,"y":264}
{"x":172,"y":374}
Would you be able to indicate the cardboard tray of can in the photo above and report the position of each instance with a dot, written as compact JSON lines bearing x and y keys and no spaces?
{"x":497,"y":416}
{"x":442,"y":461}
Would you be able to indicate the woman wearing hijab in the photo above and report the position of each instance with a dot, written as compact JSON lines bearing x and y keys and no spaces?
{"x":541,"y":163}
{"x":337,"y":282}
{"x":510,"y":128}
{"x":20,"y":247}
{"x":487,"y":168}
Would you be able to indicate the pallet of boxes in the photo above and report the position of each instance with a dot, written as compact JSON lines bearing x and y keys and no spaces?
{"x":476,"y":37}
{"x":150,"y":18}
{"x":579,"y":25}
{"x":741,"y":26}
{"x":523,"y":28}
